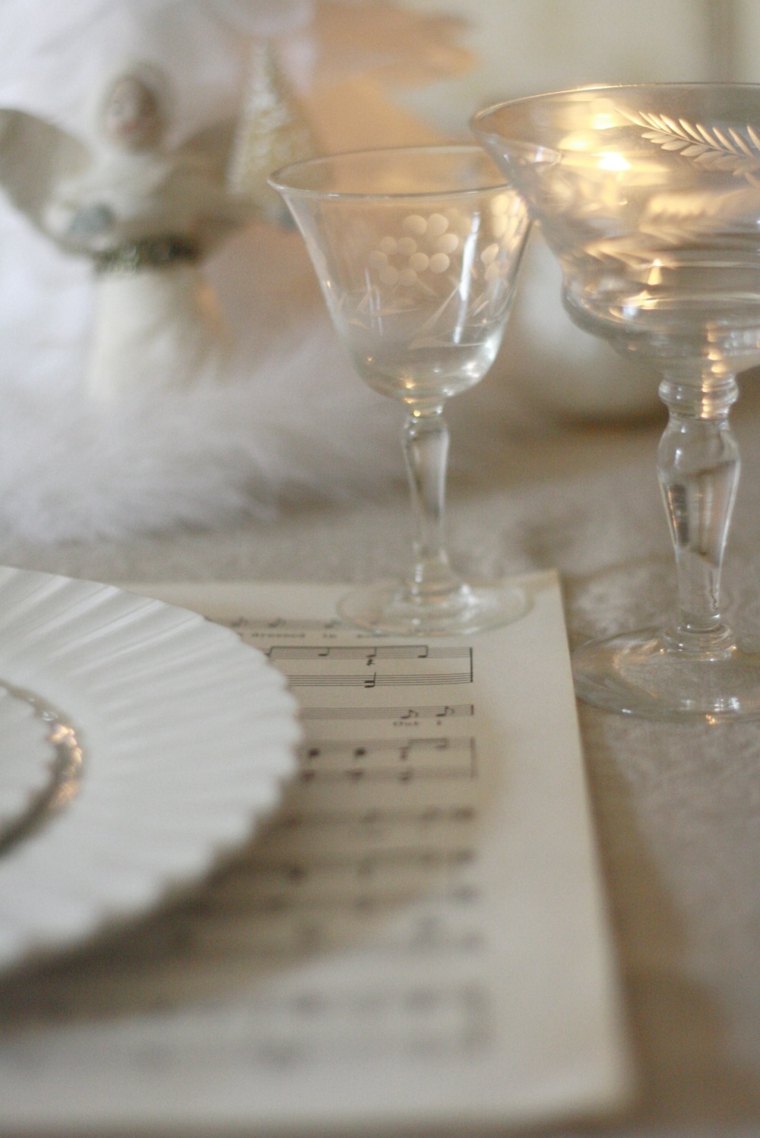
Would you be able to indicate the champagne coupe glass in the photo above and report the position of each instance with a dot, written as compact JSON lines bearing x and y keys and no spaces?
{"x":649,"y":195}
{"x":417,"y":251}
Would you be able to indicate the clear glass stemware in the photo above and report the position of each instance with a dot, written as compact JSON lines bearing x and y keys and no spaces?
{"x":417,"y":252}
{"x":650,"y":198}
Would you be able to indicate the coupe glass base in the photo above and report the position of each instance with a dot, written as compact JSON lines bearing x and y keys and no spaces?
{"x":639,"y":673}
{"x":393,"y":609}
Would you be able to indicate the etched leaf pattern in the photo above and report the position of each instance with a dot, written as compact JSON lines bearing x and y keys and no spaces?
{"x":731,"y":149}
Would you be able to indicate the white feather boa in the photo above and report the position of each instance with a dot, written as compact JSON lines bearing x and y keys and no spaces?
{"x":289,"y":421}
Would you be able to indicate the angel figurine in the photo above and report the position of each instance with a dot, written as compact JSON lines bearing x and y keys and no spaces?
{"x":147,"y":216}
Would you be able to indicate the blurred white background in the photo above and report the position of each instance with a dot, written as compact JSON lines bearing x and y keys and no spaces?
{"x":527,"y":46}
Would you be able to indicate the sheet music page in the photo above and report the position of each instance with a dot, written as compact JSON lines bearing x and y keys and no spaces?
{"x":419,"y":940}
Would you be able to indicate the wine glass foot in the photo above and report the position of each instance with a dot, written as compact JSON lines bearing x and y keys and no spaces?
{"x":392,"y":609}
{"x":640,"y":674}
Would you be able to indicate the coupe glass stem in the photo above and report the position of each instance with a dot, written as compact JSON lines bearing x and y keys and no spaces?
{"x":425,"y":441}
{"x":698,"y":468}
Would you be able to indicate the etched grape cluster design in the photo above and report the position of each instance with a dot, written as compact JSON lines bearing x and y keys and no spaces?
{"x":423,"y":255}
{"x":454,"y":265}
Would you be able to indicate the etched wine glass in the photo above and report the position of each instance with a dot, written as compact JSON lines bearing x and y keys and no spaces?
{"x":417,"y":251}
{"x":649,"y":196}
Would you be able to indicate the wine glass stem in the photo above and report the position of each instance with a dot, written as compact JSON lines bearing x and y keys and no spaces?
{"x":425,"y":441}
{"x":698,"y":468}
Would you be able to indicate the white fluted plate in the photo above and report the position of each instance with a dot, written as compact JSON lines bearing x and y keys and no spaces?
{"x":139,"y":743}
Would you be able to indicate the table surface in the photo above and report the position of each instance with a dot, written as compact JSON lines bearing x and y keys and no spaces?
{"x":676,"y":807}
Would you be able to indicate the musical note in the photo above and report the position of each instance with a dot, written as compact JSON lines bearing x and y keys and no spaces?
{"x":383,"y":759}
{"x":379,"y":652}
{"x":430,"y":711}
{"x":252,"y":628}
{"x":412,"y":819}
{"x":378,"y":679}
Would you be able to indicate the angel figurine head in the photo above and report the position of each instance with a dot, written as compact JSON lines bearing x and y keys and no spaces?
{"x":132,"y":111}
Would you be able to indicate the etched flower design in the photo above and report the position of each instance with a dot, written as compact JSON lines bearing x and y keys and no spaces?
{"x":429,"y":249}
{"x":444,"y":273}
{"x":424,"y":249}
{"x":507,"y":227}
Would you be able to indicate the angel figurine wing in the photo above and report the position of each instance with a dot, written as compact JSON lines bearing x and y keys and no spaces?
{"x":35,"y":156}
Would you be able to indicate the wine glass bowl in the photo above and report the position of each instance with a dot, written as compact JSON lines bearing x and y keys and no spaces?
{"x":649,"y":196}
{"x":417,"y":251}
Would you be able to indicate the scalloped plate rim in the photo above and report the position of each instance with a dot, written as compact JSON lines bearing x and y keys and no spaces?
{"x":44,"y":906}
